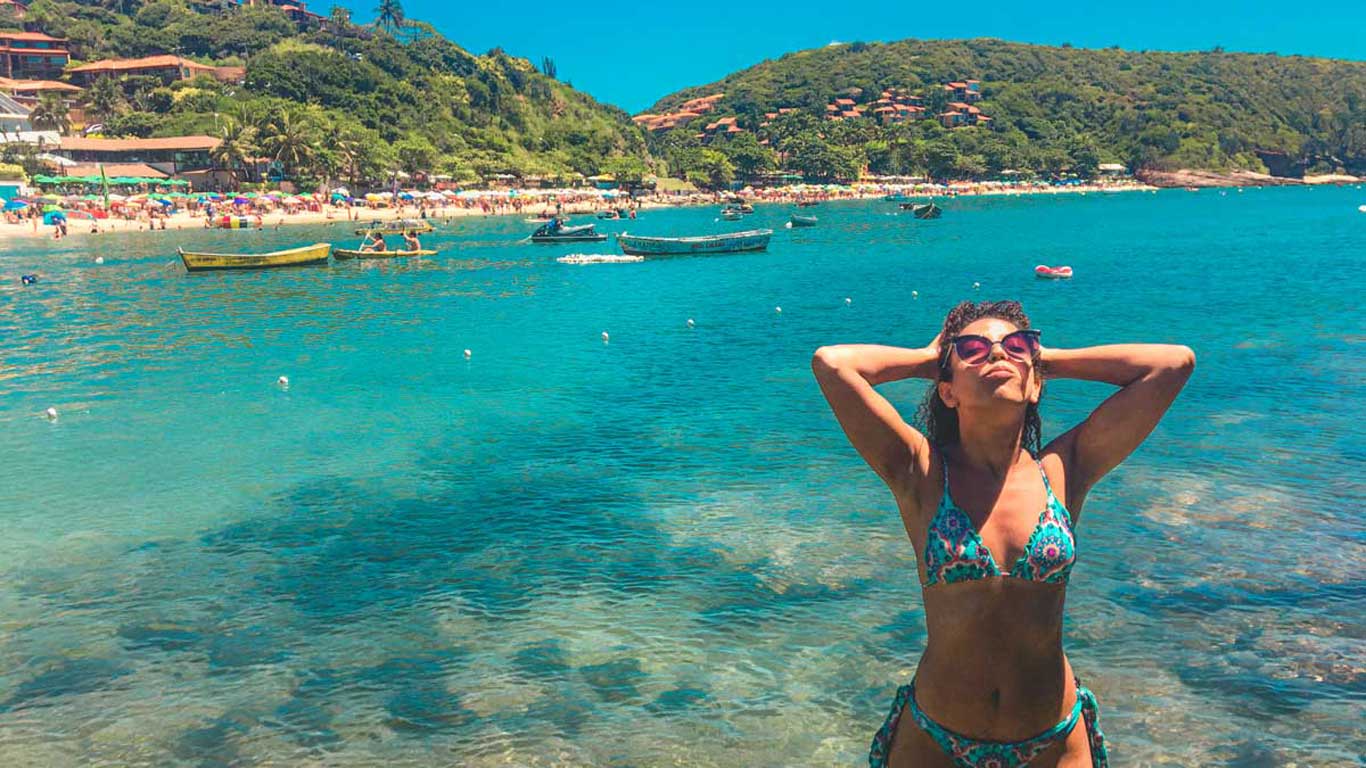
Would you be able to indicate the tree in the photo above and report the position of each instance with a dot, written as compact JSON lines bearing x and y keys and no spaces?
{"x":50,"y":114}
{"x":291,"y":139}
{"x":749,"y":156}
{"x":389,"y":16}
{"x":548,"y":67}
{"x":104,"y":100}
{"x":236,"y":147}
{"x":415,"y":154}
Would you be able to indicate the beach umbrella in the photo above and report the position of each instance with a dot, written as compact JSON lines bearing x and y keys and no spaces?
{"x":16,"y":205}
{"x":241,"y":201}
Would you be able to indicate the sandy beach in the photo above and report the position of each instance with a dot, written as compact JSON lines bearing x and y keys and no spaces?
{"x":193,"y":218}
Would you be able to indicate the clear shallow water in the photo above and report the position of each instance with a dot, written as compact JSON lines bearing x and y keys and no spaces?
{"x":658,"y":550}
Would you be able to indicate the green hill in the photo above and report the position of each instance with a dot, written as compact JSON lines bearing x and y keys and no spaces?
{"x":1051,"y":110}
{"x":357,"y":101}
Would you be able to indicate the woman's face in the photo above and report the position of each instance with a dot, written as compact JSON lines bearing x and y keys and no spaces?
{"x":999,"y":380}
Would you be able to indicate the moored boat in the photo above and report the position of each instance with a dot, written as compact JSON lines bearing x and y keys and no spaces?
{"x":1052,"y":273}
{"x":563,"y":233}
{"x":195,"y":261}
{"x":731,"y":214}
{"x":808,"y":203}
{"x":922,"y":210}
{"x":799,"y":220}
{"x":750,"y":240}
{"x":347,"y":253}
{"x":396,"y":227}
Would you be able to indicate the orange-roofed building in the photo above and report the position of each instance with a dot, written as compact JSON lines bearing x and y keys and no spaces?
{"x":183,"y":156}
{"x":165,"y":66}
{"x":32,"y":56}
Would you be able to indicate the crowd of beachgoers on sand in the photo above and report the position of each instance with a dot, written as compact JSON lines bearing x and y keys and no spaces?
{"x":58,"y":213}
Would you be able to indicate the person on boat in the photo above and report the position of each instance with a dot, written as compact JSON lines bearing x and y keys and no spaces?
{"x":991,"y":513}
{"x":410,"y":241}
{"x":374,"y":241}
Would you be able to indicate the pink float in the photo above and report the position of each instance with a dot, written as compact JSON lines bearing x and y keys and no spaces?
{"x":1052,"y":273}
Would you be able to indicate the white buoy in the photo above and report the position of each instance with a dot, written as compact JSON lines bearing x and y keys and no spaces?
{"x":848,"y":301}
{"x":467,"y":354}
{"x":605,"y":337}
{"x":975,"y":286}
{"x":1361,"y":208}
{"x":691,"y":323}
{"x":51,"y":414}
{"x":915,"y":294}
{"x":779,"y":310}
{"x":99,"y":259}
{"x":283,"y":381}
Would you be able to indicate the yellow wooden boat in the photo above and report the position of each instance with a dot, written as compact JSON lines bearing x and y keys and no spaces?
{"x":294,"y":257}
{"x":344,"y":253}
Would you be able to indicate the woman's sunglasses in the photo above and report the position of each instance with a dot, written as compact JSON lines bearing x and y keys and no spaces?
{"x":973,"y":349}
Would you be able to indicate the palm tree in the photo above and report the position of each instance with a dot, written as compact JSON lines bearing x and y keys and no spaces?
{"x":104,"y":100}
{"x":51,"y":114}
{"x":236,"y":147}
{"x":389,"y":16}
{"x":291,"y":140}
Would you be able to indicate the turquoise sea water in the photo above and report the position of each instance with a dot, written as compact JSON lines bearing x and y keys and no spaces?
{"x":660,"y":549}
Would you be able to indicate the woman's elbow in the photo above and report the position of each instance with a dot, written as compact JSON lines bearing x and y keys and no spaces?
{"x":1179,"y":362}
{"x":825,"y":360}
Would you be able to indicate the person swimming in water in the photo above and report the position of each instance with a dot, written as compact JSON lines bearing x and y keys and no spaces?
{"x":992,"y":516}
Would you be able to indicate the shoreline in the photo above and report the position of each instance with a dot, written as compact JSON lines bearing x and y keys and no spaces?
{"x":1188,"y":178}
{"x":184,"y":220}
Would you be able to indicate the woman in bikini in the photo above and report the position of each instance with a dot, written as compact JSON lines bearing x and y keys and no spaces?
{"x":991,"y":514}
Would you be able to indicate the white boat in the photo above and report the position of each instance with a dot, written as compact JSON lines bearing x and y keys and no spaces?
{"x":598,"y":258}
{"x":751,"y":240}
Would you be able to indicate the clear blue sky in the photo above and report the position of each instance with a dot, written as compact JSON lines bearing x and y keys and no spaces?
{"x":632,"y":53}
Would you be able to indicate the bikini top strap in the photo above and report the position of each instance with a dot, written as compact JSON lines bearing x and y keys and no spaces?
{"x":1046,"y":485}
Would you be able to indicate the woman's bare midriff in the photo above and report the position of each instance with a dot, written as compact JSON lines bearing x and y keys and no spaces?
{"x":993,"y":666}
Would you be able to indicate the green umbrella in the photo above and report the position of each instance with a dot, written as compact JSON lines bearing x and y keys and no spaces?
{"x":43,"y":179}
{"x":51,"y":208}
{"x":179,"y":182}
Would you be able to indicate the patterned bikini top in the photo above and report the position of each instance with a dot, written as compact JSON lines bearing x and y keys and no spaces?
{"x":954,"y":551}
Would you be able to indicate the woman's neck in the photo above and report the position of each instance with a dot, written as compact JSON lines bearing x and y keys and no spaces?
{"x":990,"y":445}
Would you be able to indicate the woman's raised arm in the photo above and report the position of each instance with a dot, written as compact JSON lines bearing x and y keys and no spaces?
{"x":847,"y":374}
{"x":1150,"y":377}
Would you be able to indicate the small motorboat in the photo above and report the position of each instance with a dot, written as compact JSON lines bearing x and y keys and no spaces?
{"x":1052,"y":273}
{"x":294,"y":257}
{"x":608,"y":215}
{"x":397,"y":227}
{"x":556,"y":232}
{"x":808,"y":203}
{"x":923,"y":210}
{"x":736,"y":242}
{"x":732,"y":214}
{"x":799,"y":220}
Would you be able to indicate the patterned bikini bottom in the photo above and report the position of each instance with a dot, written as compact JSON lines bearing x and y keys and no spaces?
{"x":974,"y":753}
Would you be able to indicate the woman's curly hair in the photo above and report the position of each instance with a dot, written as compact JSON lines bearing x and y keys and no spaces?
{"x":939,"y":421}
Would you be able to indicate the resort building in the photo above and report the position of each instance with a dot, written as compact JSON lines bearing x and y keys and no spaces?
{"x":967,"y":90}
{"x":1112,"y":169}
{"x":294,"y":9}
{"x":960,"y":114}
{"x":687,"y":112}
{"x":168,"y":68}
{"x":32,"y":56}
{"x":726,"y":126}
{"x":174,"y":156}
